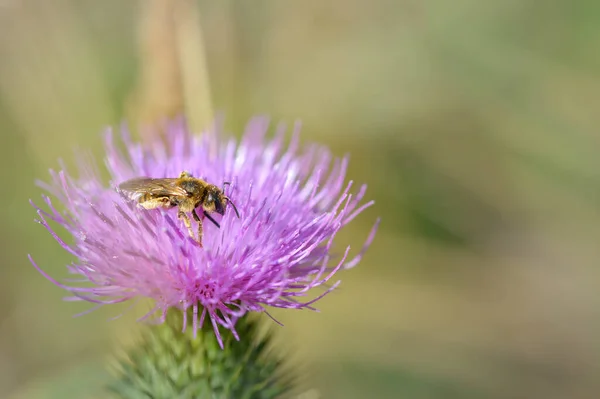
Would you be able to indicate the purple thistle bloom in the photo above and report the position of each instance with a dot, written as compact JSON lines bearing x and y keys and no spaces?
{"x":291,"y":207}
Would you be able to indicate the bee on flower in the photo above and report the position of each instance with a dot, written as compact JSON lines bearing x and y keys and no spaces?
{"x":128,"y":240}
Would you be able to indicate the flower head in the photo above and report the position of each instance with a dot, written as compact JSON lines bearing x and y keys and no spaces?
{"x":291,"y":207}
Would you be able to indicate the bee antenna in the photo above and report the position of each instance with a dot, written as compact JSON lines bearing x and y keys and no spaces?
{"x":225,"y":184}
{"x":234,"y":207}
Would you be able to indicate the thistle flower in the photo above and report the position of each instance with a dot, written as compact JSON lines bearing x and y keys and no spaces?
{"x":291,"y":204}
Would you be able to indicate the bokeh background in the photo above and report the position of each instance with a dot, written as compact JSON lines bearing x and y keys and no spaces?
{"x":475,"y":124}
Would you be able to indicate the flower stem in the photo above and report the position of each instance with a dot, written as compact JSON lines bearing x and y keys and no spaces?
{"x":170,"y":364}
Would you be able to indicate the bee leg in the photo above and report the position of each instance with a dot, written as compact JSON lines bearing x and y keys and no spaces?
{"x":197,"y":219}
{"x":207,"y":215}
{"x":188,"y":224}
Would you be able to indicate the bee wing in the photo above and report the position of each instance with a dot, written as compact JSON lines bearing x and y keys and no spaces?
{"x":139,"y":186}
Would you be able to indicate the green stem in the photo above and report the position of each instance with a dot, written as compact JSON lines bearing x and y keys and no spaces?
{"x":170,"y":364}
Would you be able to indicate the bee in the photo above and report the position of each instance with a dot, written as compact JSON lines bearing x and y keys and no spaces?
{"x":184,"y":192}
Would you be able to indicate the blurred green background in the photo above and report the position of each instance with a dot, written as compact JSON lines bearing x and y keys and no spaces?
{"x":475,"y":124}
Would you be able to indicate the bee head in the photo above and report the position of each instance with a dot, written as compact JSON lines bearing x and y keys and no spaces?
{"x":214,"y":201}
